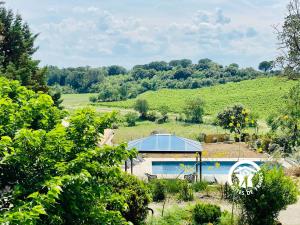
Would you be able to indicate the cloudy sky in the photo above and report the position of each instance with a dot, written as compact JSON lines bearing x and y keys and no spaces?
{"x":129,"y":32}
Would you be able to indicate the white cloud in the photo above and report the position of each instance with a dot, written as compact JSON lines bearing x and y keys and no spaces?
{"x":91,"y":34}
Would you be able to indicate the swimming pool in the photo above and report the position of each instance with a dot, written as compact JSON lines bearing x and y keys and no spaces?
{"x":187,"y":167}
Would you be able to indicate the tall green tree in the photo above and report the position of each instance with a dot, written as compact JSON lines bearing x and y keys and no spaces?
{"x":16,"y":50}
{"x":194,"y":110}
{"x":236,"y":119}
{"x":289,"y":37}
{"x":142,"y":106}
{"x":116,"y":70}
{"x":287,"y":119}
{"x":265,"y":66}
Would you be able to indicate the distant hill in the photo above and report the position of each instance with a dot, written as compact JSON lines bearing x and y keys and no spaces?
{"x":262,"y":96}
{"x":115,"y":83}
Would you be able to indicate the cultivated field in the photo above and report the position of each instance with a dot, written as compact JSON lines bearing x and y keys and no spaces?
{"x":262,"y":96}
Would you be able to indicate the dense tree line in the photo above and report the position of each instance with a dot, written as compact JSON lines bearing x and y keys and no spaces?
{"x":116,"y":83}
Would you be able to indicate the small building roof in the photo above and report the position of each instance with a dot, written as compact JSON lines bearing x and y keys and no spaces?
{"x":165,"y":143}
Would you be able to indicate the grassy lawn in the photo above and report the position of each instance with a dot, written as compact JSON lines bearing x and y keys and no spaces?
{"x":74,"y":101}
{"x":262,"y":96}
{"x":145,"y":128}
{"x":192,"y":131}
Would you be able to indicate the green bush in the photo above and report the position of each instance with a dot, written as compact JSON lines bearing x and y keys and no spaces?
{"x":186,"y":192}
{"x":174,"y":216}
{"x":194,"y":110}
{"x":142,"y":107}
{"x":206,"y":213}
{"x":228,"y":193}
{"x":151,"y":116}
{"x":226,"y":219}
{"x":200,"y":186}
{"x":173,"y":185}
{"x":158,"y":189}
{"x":131,"y":118}
{"x":93,"y":99}
{"x":201,"y":137}
{"x":275,"y":193}
{"x":137,"y":198}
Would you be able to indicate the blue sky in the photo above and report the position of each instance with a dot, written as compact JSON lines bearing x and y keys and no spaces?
{"x":129,"y":32}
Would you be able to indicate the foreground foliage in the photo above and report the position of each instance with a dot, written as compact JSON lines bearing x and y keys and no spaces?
{"x":184,"y":215}
{"x":276,"y":192}
{"x":206,"y":213}
{"x":51,"y":174}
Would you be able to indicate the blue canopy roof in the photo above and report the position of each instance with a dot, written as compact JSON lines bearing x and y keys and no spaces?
{"x":165,"y":143}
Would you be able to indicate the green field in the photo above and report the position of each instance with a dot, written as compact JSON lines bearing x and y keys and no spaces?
{"x":74,"y":101}
{"x":145,"y":128}
{"x":262,"y":96}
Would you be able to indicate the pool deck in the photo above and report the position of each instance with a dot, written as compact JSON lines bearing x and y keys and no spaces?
{"x":212,"y":152}
{"x":146,"y":167}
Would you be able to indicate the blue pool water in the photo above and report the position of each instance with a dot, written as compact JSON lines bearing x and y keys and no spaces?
{"x":187,"y":167}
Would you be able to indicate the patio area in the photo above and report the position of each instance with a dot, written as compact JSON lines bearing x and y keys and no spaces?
{"x":169,"y":156}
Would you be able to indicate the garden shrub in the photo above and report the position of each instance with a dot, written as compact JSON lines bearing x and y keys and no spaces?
{"x":174,"y":216}
{"x":226,"y":219}
{"x":186,"y":192}
{"x":181,"y":117}
{"x":151,"y":116}
{"x":131,"y":118}
{"x":245,"y":137}
{"x":137,"y":198}
{"x":141,"y":106}
{"x":160,"y":120}
{"x":173,"y":185}
{"x":200,"y":186}
{"x":227,"y":192}
{"x":276,"y":192}
{"x":201,"y":137}
{"x":93,"y":99}
{"x":158,"y":189}
{"x":206,"y":213}
{"x":194,"y":110}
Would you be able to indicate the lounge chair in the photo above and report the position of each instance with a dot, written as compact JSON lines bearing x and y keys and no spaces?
{"x":150,"y":176}
{"x":190,"y":177}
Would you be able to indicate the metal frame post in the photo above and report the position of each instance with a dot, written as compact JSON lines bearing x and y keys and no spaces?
{"x":200,"y":157}
{"x":131,"y":165}
{"x":197,"y":166}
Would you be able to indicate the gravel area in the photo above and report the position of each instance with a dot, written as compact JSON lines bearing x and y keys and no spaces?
{"x":290,"y":216}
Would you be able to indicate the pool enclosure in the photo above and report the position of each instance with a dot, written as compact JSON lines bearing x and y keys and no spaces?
{"x":160,"y":144}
